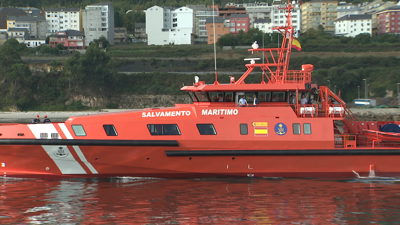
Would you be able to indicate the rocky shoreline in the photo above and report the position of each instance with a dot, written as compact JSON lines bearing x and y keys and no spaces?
{"x":369,"y":114}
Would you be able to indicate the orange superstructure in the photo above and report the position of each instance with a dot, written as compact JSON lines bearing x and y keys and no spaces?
{"x":282,"y":126}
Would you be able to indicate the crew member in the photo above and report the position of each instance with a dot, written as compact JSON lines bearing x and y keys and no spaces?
{"x":46,"y":120}
{"x":36,"y":120}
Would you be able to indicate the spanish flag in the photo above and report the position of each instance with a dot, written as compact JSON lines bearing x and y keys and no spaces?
{"x":296,"y":44}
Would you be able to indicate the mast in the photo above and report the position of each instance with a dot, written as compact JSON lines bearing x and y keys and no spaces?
{"x":286,"y":47}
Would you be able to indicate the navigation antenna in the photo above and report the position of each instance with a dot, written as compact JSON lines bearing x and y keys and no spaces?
{"x":215,"y":49}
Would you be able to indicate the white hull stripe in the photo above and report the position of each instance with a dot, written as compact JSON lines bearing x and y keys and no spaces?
{"x":61,"y":155}
{"x":64,"y":160}
{"x":77,"y":149}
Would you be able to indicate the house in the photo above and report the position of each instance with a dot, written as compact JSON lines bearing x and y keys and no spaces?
{"x":98,"y":20}
{"x":19,"y":34}
{"x":166,"y":25}
{"x":120,"y":34}
{"x":140,"y":32}
{"x":7,"y":12}
{"x":353,"y":25}
{"x":71,"y":39}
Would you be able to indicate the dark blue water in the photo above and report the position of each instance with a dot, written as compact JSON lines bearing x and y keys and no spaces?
{"x":214,"y":201}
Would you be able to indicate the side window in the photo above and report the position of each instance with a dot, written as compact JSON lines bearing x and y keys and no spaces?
{"x":307,"y":128}
{"x":206,"y":129}
{"x":164,"y":129}
{"x":78,"y":130}
{"x":110,"y":130}
{"x":296,"y":128}
{"x":243,"y":129}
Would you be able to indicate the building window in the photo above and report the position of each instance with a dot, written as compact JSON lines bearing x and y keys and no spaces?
{"x":243,"y":129}
{"x":206,"y":129}
{"x":164,"y":129}
{"x":78,"y":130}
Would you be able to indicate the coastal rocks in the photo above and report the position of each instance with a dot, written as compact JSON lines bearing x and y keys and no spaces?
{"x":388,"y":114}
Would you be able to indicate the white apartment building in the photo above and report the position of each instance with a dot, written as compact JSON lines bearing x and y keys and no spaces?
{"x":263,"y":25}
{"x":278,"y":18}
{"x":166,"y":25}
{"x":353,"y":25}
{"x":258,"y":10}
{"x":98,"y":20}
{"x":63,"y":19}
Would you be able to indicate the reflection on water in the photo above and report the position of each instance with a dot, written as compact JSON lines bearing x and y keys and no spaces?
{"x":251,"y":201}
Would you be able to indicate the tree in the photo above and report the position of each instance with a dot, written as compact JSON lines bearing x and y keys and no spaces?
{"x":102,"y":40}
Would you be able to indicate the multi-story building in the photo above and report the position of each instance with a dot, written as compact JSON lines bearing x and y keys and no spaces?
{"x":319,"y":12}
{"x":98,"y":20}
{"x":20,"y":34}
{"x":71,"y":39}
{"x":239,"y":22}
{"x":231,"y":9}
{"x":258,"y":10}
{"x":344,"y":9}
{"x":63,"y":18}
{"x":353,"y":25}
{"x":222,"y":26}
{"x":165,"y":25}
{"x":140,"y":32}
{"x":263,"y":25}
{"x":278,"y":17}
{"x":7,"y":12}
{"x":202,"y":12}
{"x":389,"y":20}
{"x":36,"y":25}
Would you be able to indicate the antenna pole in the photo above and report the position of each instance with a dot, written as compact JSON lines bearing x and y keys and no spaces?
{"x":215,"y":49}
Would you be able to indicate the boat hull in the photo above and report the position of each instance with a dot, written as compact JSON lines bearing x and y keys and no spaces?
{"x":167,"y":162}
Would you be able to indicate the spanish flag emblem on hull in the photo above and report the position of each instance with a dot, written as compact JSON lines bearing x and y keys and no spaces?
{"x":296,"y":44}
{"x":260,"y":128}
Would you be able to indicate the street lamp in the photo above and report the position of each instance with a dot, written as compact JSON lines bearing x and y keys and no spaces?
{"x":358,"y":92}
{"x":365,"y":88}
{"x":329,"y":84}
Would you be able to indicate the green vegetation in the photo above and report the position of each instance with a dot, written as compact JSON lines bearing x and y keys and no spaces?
{"x":317,"y":40}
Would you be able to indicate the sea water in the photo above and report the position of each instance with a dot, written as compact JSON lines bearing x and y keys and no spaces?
{"x":128,"y":200}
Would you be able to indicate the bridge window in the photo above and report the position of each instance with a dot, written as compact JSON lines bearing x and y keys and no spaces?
{"x":201,"y":96}
{"x":164,"y":129}
{"x":216,"y":96}
{"x":44,"y":135}
{"x":296,"y":128}
{"x":206,"y":129}
{"x":278,"y":97}
{"x":264,"y":96}
{"x":78,"y":130}
{"x":307,"y":128}
{"x":110,"y":130}
{"x":243,"y":129}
